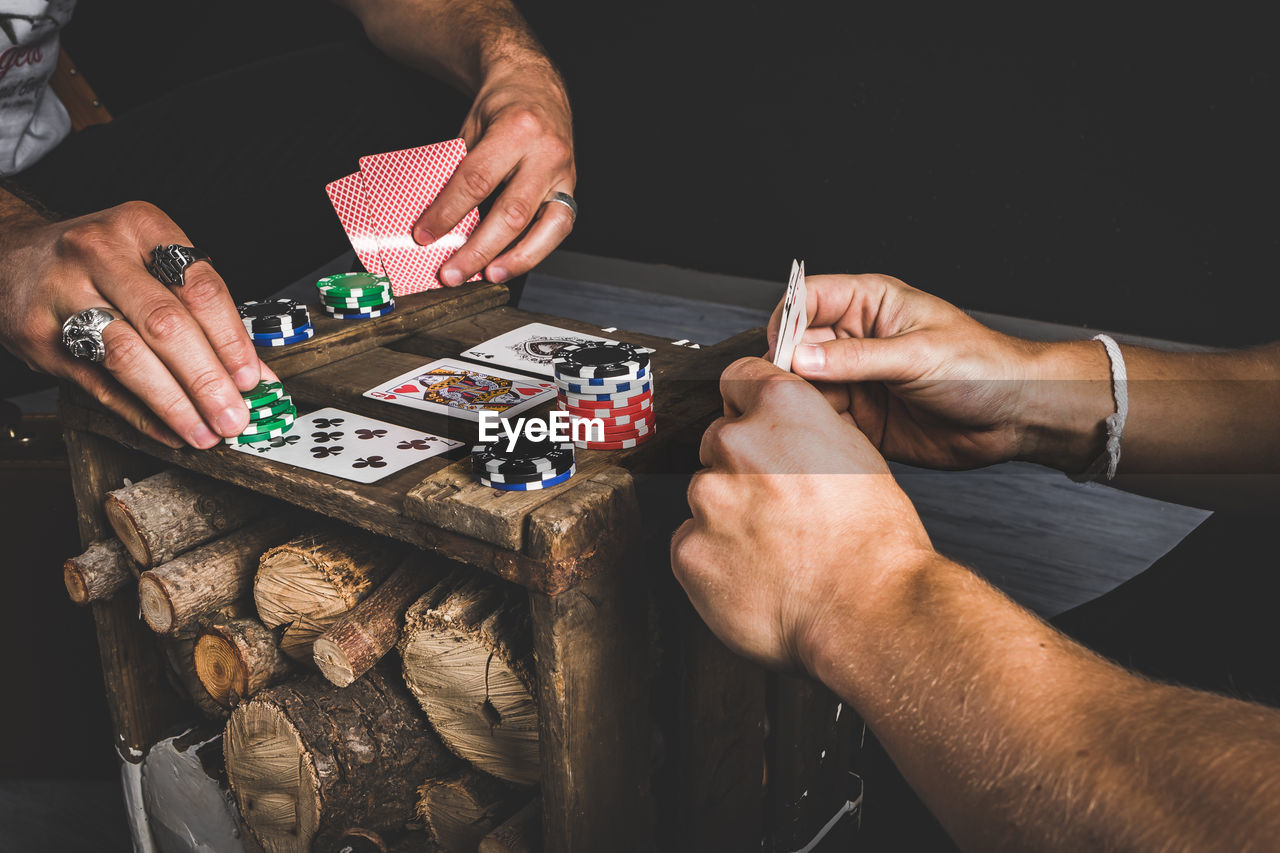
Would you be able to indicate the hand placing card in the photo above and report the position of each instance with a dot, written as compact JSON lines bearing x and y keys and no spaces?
{"x":529,"y":348}
{"x":350,"y":446}
{"x":461,"y":390}
{"x":379,"y":204}
{"x":795,"y":318}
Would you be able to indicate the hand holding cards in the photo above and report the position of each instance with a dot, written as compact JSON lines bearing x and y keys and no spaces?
{"x":379,"y":205}
{"x":795,"y":318}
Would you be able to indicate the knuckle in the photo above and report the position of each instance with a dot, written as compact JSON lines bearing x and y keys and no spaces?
{"x":203,"y":288}
{"x":558,"y":150}
{"x":779,"y":389}
{"x":704,"y":492}
{"x":525,"y":121}
{"x":143,"y":217}
{"x":516,"y":213}
{"x":164,"y":322}
{"x":472,"y":257}
{"x":124,"y":354}
{"x":478,"y":183}
{"x":85,"y":240}
{"x":207,"y":384}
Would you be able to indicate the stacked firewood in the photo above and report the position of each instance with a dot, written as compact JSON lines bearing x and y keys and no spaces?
{"x":282,"y":627}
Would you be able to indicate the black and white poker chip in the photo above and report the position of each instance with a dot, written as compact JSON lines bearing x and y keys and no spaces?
{"x":528,"y":458}
{"x":273,"y":315}
{"x":603,"y":359}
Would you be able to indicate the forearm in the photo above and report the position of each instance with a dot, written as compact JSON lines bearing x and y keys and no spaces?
{"x":1016,"y":737}
{"x":1189,"y":413}
{"x":461,"y":41}
{"x":17,"y":213}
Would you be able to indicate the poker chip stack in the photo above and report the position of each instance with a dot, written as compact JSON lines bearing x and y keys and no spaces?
{"x":356,"y":295}
{"x":276,"y":322}
{"x":271,"y":414}
{"x":525,"y":467}
{"x":611,"y":381}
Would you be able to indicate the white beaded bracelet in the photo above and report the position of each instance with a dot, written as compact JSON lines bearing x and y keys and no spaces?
{"x":1105,"y":464}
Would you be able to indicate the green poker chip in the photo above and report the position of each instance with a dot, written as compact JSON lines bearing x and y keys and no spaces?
{"x":355,"y":301}
{"x":284,"y":421}
{"x":267,"y":412}
{"x":264,"y":394}
{"x":352,"y":285}
{"x":255,"y":438}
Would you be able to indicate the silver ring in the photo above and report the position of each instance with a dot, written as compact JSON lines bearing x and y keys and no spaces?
{"x":169,"y":263}
{"x":568,"y":201}
{"x":82,"y":333}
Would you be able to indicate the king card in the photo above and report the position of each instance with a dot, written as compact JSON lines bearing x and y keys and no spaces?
{"x":463,"y":390}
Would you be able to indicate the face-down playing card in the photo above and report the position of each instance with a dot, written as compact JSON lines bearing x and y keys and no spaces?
{"x":352,"y":206}
{"x":530,"y":347}
{"x":399,"y":186}
{"x":350,"y":446}
{"x":462,"y":390}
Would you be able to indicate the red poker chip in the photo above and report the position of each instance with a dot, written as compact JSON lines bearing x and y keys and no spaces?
{"x":578,"y":402}
{"x":632,"y":428}
{"x":623,"y":444}
{"x":643,"y":406}
{"x":643,"y":417}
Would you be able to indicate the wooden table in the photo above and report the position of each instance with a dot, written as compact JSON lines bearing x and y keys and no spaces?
{"x":652,"y":733}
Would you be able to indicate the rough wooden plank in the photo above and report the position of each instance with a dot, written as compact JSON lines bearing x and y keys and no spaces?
{"x":336,"y":339}
{"x":373,"y":507}
{"x":591,"y":645}
{"x":575,"y":523}
{"x":142,"y":706}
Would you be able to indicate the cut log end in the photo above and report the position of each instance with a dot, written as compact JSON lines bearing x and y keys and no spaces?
{"x":221,"y":670}
{"x":461,"y":809}
{"x":235,"y":658}
{"x":274,"y":779}
{"x":126,"y":528}
{"x":332,"y":662}
{"x":157,"y":608}
{"x":77,"y":589}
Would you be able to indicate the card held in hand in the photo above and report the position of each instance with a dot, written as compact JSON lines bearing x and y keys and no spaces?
{"x":399,"y":185}
{"x":352,"y":206}
{"x":795,"y":318}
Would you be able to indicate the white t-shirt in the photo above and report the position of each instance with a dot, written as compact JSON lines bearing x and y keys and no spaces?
{"x":32,"y":119}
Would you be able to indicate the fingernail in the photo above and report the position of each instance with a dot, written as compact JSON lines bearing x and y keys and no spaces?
{"x":423,"y":236}
{"x":809,"y":357}
{"x":451,"y":277}
{"x":202,"y":436}
{"x":247,"y":377}
{"x":497,"y":275}
{"x":231,"y":421}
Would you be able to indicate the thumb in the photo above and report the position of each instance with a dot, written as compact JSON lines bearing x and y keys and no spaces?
{"x":859,"y":360}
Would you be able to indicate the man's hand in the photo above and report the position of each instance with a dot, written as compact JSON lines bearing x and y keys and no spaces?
{"x":174,"y":366}
{"x":519,"y":137}
{"x":929,"y":385}
{"x":794,"y":507}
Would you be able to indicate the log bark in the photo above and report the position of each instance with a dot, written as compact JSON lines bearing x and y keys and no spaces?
{"x":235,"y":658}
{"x":467,"y":651}
{"x":175,"y":595}
{"x":461,"y":809}
{"x":520,"y":833}
{"x":358,"y":640}
{"x":96,"y":574}
{"x":174,"y":511}
{"x":309,"y":582}
{"x":307,"y":760}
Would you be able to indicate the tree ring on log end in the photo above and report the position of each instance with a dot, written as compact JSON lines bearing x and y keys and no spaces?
{"x":273,"y":778}
{"x":157,"y":609}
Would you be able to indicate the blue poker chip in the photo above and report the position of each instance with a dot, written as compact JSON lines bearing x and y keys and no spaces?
{"x":361,"y":315}
{"x":272,"y":341}
{"x":288,"y":333}
{"x":588,"y":386}
{"x":530,"y":487}
{"x":630,"y":390}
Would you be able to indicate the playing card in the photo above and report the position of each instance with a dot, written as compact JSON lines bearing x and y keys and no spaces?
{"x":349,"y":202}
{"x":529,"y":348}
{"x":795,"y":318}
{"x":399,"y":186}
{"x":463,"y":390}
{"x":350,"y":446}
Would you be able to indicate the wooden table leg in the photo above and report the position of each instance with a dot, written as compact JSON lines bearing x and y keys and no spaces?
{"x":591,"y":645}
{"x":141,"y":702}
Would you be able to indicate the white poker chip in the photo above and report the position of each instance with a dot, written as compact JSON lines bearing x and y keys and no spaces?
{"x":283,"y":420}
{"x":529,"y":487}
{"x":601,"y":360}
{"x":607,"y":405}
{"x":364,"y":315}
{"x":636,"y":390}
{"x":588,"y":387}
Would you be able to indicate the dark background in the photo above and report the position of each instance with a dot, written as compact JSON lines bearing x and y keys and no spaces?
{"x":1113,"y":170}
